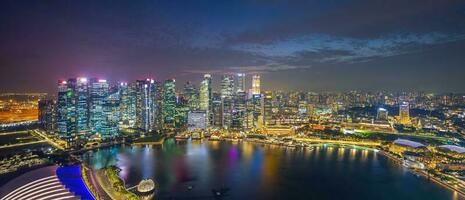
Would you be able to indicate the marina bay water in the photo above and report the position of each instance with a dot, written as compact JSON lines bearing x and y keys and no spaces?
{"x":245,"y":170}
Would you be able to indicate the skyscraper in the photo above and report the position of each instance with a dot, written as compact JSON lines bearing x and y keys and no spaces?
{"x":216,"y":112}
{"x":239,"y":111}
{"x":404,"y":113}
{"x":191,"y":96}
{"x":382,"y":114}
{"x":256,"y":85}
{"x":82,"y":107}
{"x":66,"y":113}
{"x":111,"y":110}
{"x":254,"y":110}
{"x":205,"y":97}
{"x":169,"y":103}
{"x":267,"y":106}
{"x":73,"y":111}
{"x":240,"y":82}
{"x":147,"y":105}
{"x":227,"y":91}
{"x":128,"y":105}
{"x":181,"y":113}
{"x":47,"y":115}
{"x":98,"y":94}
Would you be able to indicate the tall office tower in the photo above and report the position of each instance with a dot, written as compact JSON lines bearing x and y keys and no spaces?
{"x":82,"y":107}
{"x":240,"y":83}
{"x":128,"y":105}
{"x":158,"y":111}
{"x":191,"y":95}
{"x":227,"y":89}
{"x":249,"y":119}
{"x":169,"y":103}
{"x":98,"y":93}
{"x":256,"y":85}
{"x":65,"y":113}
{"x":216,"y":113}
{"x":404,"y":113}
{"x":382,"y":114}
{"x":147,"y":106}
{"x":72,"y":111}
{"x":267,"y":109}
{"x":47,"y":115}
{"x":205,"y":97}
{"x":251,"y":115}
{"x":227,"y":86}
{"x":239,"y":111}
{"x":180,"y":114}
{"x":111,"y":110}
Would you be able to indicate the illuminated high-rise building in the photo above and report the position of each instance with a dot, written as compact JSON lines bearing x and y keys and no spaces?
{"x":73,"y":111}
{"x":147,"y":105}
{"x":111,"y":110}
{"x":239,"y":111}
{"x":181,"y":113}
{"x":191,"y":96}
{"x":128,"y":105}
{"x":82,"y":107}
{"x":216,"y":112}
{"x":66,"y":112}
{"x":256,"y":85}
{"x":99,"y":89}
{"x":240,"y":83}
{"x":267,"y":106}
{"x":205,"y":97}
{"x":382,"y":114}
{"x":169,"y":103}
{"x":227,"y":86}
{"x":227,"y":91}
{"x":47,"y":115}
{"x":404,"y":113}
{"x":254,"y":111}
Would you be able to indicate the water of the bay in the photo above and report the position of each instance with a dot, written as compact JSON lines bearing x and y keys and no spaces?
{"x":192,"y":169}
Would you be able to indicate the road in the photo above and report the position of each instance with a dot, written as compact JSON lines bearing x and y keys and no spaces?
{"x":48,"y":140}
{"x":14,"y":132}
{"x":364,"y":143}
{"x":22,"y":144}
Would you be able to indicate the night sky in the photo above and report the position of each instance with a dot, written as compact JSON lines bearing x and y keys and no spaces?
{"x":325,"y":45}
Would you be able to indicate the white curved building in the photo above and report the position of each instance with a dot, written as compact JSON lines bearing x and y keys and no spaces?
{"x":46,"y":184}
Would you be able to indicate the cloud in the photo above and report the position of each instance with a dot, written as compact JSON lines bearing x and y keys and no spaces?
{"x":358,"y":19}
{"x":314,"y":49}
{"x":266,"y":68}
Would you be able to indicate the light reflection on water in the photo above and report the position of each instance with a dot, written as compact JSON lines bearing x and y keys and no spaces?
{"x":258,"y":171}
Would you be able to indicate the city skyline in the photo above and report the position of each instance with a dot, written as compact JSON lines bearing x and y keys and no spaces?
{"x":311,"y":46}
{"x":243,"y":99}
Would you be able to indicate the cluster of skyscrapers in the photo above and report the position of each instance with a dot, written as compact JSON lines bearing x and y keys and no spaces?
{"x":92,"y":108}
{"x":87,"y":108}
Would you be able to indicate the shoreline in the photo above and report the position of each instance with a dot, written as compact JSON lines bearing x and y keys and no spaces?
{"x":382,"y":152}
{"x":424,"y":174}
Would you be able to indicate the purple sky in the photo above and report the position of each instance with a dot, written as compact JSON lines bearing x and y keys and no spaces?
{"x":304,"y":45}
